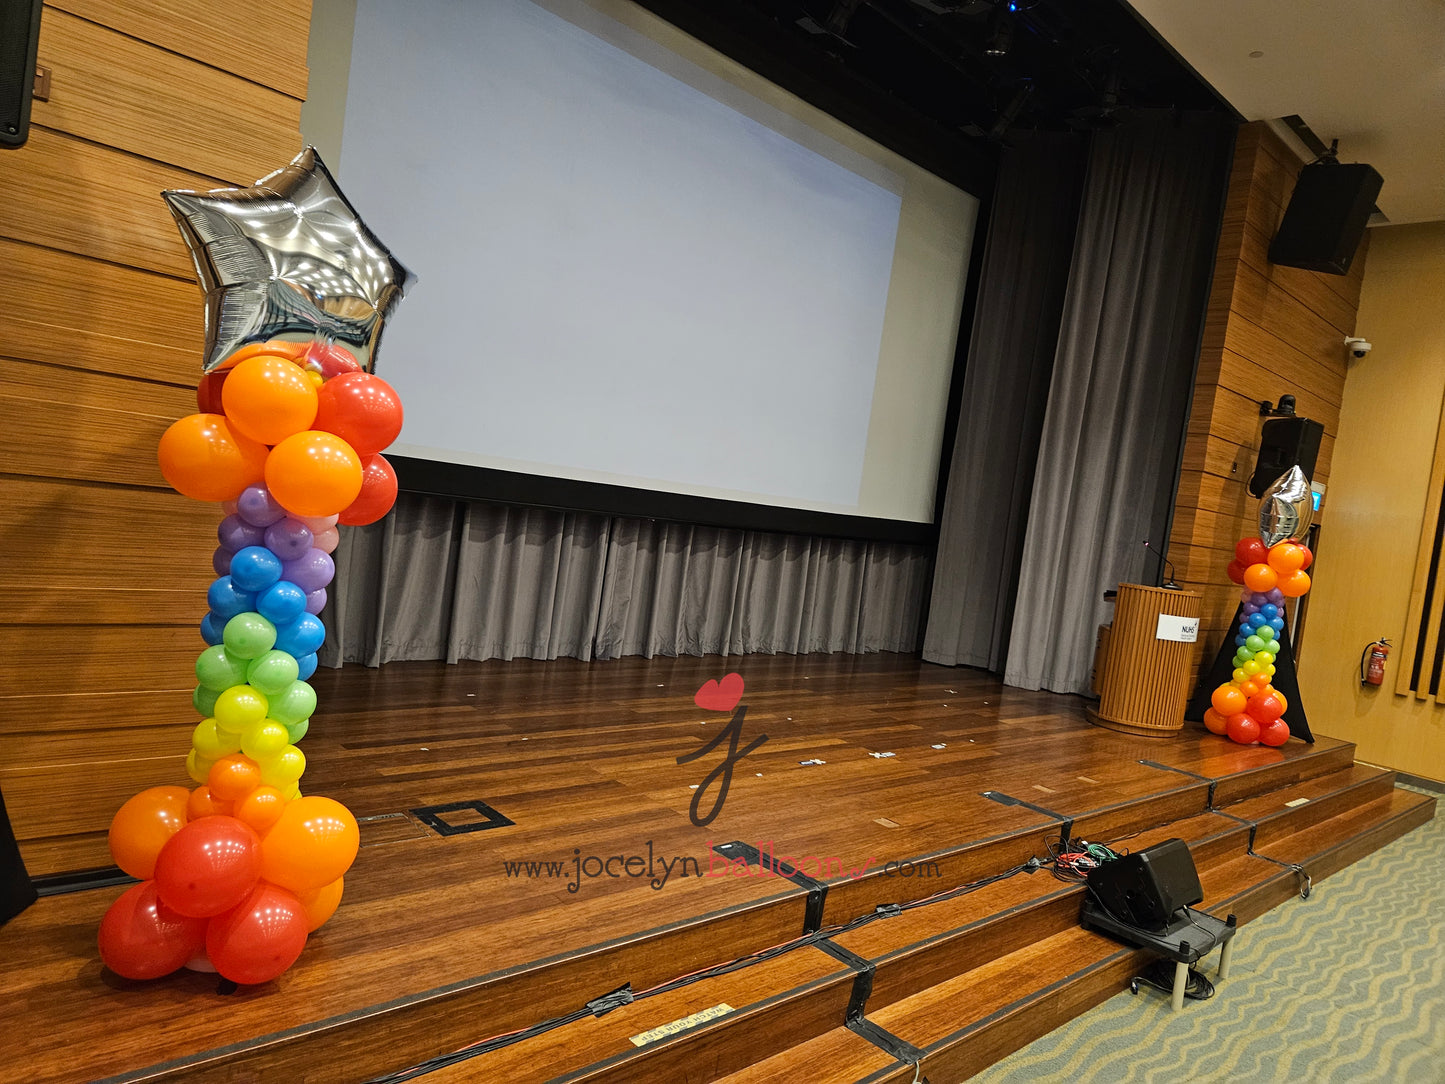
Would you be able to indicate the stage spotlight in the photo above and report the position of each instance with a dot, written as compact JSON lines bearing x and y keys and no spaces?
{"x":1001,"y":28}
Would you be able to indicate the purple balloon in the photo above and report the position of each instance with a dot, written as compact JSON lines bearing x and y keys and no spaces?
{"x":221,"y":561}
{"x":236,"y":534}
{"x":312,"y":570}
{"x":316,"y":601}
{"x":1250,"y":608}
{"x":1276,"y":596}
{"x":288,"y":539}
{"x":257,"y":507}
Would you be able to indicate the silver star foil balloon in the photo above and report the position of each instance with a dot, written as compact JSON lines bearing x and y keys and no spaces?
{"x":1287,"y":508}
{"x":288,"y":258}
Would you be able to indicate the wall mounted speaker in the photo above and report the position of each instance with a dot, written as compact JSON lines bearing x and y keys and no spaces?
{"x":19,"y":36}
{"x":1283,"y":442}
{"x":1144,"y":889}
{"x":1326,"y":217}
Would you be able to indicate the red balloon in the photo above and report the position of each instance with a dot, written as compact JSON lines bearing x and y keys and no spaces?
{"x":1250,"y":551}
{"x":208,"y":392}
{"x":142,"y":938}
{"x":1235,"y":572}
{"x":329,"y":360}
{"x":208,"y":866}
{"x":1309,"y":558}
{"x":1266,"y":707}
{"x":378,"y":493}
{"x":362,"y":409}
{"x":1243,"y":729}
{"x":1274,"y":733}
{"x":259,"y":938}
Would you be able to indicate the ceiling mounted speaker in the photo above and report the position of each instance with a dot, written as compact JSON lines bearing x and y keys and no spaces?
{"x":1326,"y":218}
{"x":19,"y":35}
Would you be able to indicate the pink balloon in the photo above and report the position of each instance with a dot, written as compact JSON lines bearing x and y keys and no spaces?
{"x":327,"y":541}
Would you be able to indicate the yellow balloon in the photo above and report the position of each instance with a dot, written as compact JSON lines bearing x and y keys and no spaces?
{"x":283,"y":769}
{"x":211,"y":742}
{"x":261,"y":741}
{"x":197,"y":767}
{"x":239,"y":707}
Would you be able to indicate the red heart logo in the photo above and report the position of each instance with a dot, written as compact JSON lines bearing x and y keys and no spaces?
{"x":720,"y":695}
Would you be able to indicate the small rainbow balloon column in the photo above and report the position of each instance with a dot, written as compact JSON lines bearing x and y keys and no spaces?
{"x":239,"y":870}
{"x":1248,"y":708}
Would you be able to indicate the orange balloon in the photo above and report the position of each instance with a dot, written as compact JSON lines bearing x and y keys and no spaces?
{"x":1214,"y":722}
{"x":1258,"y":578}
{"x":1251,"y":686}
{"x":1295,"y":584}
{"x":1286,"y":557}
{"x":1228,"y":700}
{"x":142,"y":827}
{"x":204,"y":457}
{"x":268,"y":398}
{"x":313,"y":473}
{"x":232,"y":778}
{"x":282,"y":348}
{"x":261,"y":809}
{"x":321,"y":904}
{"x":202,"y":804}
{"x":312,"y":844}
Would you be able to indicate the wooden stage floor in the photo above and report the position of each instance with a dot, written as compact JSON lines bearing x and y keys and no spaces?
{"x":437,"y":944}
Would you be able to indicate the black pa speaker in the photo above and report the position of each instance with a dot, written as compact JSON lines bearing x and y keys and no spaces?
{"x":1144,"y":889}
{"x":1326,"y":217}
{"x":1283,"y":442}
{"x":19,"y":36}
{"x":16,"y":891}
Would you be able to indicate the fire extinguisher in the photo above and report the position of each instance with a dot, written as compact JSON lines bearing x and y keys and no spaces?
{"x":1372,"y":662}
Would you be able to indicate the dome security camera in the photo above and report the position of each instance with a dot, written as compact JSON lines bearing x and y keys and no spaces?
{"x":1358,"y":348}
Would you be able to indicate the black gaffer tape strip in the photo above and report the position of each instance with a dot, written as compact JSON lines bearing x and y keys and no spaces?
{"x":886,"y":1040}
{"x":862,"y":982}
{"x":1209,"y":804}
{"x":1001,"y":798}
{"x":817,"y":890}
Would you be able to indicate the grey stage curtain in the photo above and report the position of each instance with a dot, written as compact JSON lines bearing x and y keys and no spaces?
{"x":1119,"y":398}
{"x":439,"y":579}
{"x":1005,"y":392}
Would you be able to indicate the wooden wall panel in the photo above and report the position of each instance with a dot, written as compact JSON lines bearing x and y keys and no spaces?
{"x":113,"y":89}
{"x":1269,"y":331}
{"x":95,"y":201}
{"x":102,"y":582}
{"x":266,"y":46}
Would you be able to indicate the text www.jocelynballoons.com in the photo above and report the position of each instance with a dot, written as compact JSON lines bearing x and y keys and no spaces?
{"x":658,"y":869}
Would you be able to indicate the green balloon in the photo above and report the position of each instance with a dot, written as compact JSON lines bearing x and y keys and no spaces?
{"x":1254,"y":643}
{"x":273,"y":672}
{"x":298,"y":730}
{"x":295,"y":704}
{"x":218,"y":671}
{"x":249,"y":635}
{"x":1265,"y":633}
{"x":205,"y":701}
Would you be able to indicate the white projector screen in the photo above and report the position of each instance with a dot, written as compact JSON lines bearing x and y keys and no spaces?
{"x":642,"y":265}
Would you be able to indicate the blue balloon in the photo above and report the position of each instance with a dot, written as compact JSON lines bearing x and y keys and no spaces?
{"x":227,"y":599}
{"x":255,"y":568}
{"x":281,"y":603}
{"x":301,"y":637}
{"x":1270,"y":610}
{"x":307,"y":663}
{"x":211,"y":629}
{"x":1258,"y":619}
{"x":1245,"y":630}
{"x":1277,"y":623}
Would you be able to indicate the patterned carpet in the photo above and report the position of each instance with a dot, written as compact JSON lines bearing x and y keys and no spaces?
{"x":1347,"y":986}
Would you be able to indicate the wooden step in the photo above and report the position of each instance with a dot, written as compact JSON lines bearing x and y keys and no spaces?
{"x":1322,"y":760}
{"x":1290,"y":809}
{"x":791,"y":999}
{"x":836,"y":1057}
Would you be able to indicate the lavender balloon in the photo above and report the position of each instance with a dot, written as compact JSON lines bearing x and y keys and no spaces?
{"x":316,"y":601}
{"x":221,"y":561}
{"x":288,"y":539}
{"x":256,"y":506}
{"x":236,"y":534}
{"x":311,"y":571}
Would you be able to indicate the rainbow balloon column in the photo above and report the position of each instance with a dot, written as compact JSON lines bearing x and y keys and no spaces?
{"x":1248,"y":708}
{"x":237,"y":871}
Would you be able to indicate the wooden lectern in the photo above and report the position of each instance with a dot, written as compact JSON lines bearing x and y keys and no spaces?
{"x":1147,"y":664}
